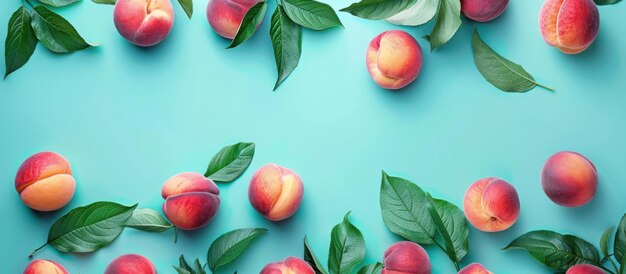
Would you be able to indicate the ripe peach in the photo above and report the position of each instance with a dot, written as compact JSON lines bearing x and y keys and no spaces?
{"x":130,"y":264}
{"x":45,"y":267}
{"x":144,"y":22}
{"x":44,"y":181}
{"x":394,"y":59}
{"x":225,"y":16}
{"x":275,"y":192}
{"x":291,"y":265}
{"x":483,"y":10}
{"x":585,"y":269}
{"x":191,"y":200}
{"x":570,"y":25}
{"x":491,"y":204}
{"x":475,"y":268}
{"x":569,"y":179}
{"x":404,"y":258}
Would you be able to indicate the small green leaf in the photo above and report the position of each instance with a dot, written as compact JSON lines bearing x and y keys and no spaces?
{"x":58,"y":3}
{"x":619,"y":244}
{"x":231,"y":245}
{"x":604,"y":241}
{"x":187,"y":6}
{"x":184,"y":267}
{"x":55,"y":33}
{"x":251,"y":19}
{"x":20,"y":42}
{"x":149,"y":220}
{"x":105,"y":2}
{"x":287,"y":42}
{"x":311,"y":14}
{"x":230,"y":162}
{"x":198,"y":267}
{"x":378,"y":9}
{"x":451,"y":226}
{"x":606,"y":2}
{"x":622,"y":268}
{"x":448,"y":22}
{"x":312,"y":260}
{"x":418,"y":14}
{"x":375,"y":268}
{"x":347,"y":247}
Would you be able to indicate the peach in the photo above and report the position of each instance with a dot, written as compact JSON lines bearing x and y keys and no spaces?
{"x":130,"y":264}
{"x":585,"y":269}
{"x":291,"y":265}
{"x":225,"y":16}
{"x":483,"y":10}
{"x":491,"y":204}
{"x":275,"y":192}
{"x":394,"y":59}
{"x":406,"y":258}
{"x":569,"y":179}
{"x":144,"y":22}
{"x":191,"y":200}
{"x":475,"y":268}
{"x":44,"y":181}
{"x":45,"y":267}
{"x":570,"y":25}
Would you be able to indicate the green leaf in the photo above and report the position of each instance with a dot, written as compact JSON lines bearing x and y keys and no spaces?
{"x":250,"y":20}
{"x":622,"y":268}
{"x":451,"y":226}
{"x":604,"y":241}
{"x":311,"y":14}
{"x":375,"y":268}
{"x":404,"y":210}
{"x":231,"y":245}
{"x":418,"y":14}
{"x":230,"y":162}
{"x":378,"y":9}
{"x":619,"y":244}
{"x":184,"y":267}
{"x":55,"y":33}
{"x":58,"y":3}
{"x":500,"y":72}
{"x":606,"y":2}
{"x":347,"y":247}
{"x":287,"y":41}
{"x":105,"y":2}
{"x":20,"y":42}
{"x":448,"y":22}
{"x":149,"y":220}
{"x":187,"y":6}
{"x":312,"y":260}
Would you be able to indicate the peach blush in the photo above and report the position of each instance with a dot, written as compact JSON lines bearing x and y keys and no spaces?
{"x":394,"y":59}
{"x":475,"y":268}
{"x":225,"y":16}
{"x":406,"y":257}
{"x":569,"y":25}
{"x":569,"y":179}
{"x":130,"y":264}
{"x":275,"y":192}
{"x":144,"y":22}
{"x":291,"y":265}
{"x":45,"y":267}
{"x":491,"y":204}
{"x":483,"y":10}
{"x":191,"y":200}
{"x":585,"y":269}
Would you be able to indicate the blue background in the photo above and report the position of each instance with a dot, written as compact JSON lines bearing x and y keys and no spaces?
{"x":128,"y":118}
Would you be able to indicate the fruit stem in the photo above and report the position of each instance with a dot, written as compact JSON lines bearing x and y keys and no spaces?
{"x":39,"y":248}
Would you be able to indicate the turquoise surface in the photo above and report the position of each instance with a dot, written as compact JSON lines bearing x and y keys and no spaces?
{"x":128,"y":118}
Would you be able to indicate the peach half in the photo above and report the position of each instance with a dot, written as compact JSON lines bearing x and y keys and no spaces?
{"x":45,"y":267}
{"x":569,"y":179}
{"x":144,"y":22}
{"x":491,"y":204}
{"x":130,"y":264}
{"x":291,"y":265}
{"x":569,"y":25}
{"x":406,"y":258}
{"x":191,"y":200}
{"x":394,"y":59}
{"x":275,"y":192}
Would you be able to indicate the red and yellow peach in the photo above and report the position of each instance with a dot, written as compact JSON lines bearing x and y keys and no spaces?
{"x":406,"y":257}
{"x":275,"y":192}
{"x":394,"y":59}
{"x":570,"y":25}
{"x":491,"y":204}
{"x":45,"y":267}
{"x":225,"y":16}
{"x":475,"y":268}
{"x":483,"y":10}
{"x":291,"y":265}
{"x":44,"y":181}
{"x":191,"y":200}
{"x":130,"y":264}
{"x":585,"y":269}
{"x":569,"y":179}
{"x":144,"y":22}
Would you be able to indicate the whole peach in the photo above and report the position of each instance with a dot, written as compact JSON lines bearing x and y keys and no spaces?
{"x":291,"y":265}
{"x":45,"y":267}
{"x":191,"y":200}
{"x":585,"y":269}
{"x":406,"y":258}
{"x":275,"y":192}
{"x":130,"y":264}
{"x":44,"y":181}
{"x":225,"y":16}
{"x":570,"y":25}
{"x":144,"y":22}
{"x":569,"y":179}
{"x":483,"y":10}
{"x":491,"y":204}
{"x":475,"y":268}
{"x":394,"y":59}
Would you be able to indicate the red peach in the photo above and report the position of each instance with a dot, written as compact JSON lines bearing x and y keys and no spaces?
{"x":144,"y":22}
{"x":394,"y":59}
{"x":291,"y":265}
{"x":475,"y":268}
{"x":130,"y":264}
{"x":570,"y":25}
{"x":569,"y":179}
{"x":406,"y":258}
{"x":191,"y":200}
{"x":45,"y":267}
{"x":225,"y":16}
{"x":275,"y":192}
{"x":483,"y":10}
{"x":585,"y":269}
{"x":491,"y":204}
{"x":44,"y":181}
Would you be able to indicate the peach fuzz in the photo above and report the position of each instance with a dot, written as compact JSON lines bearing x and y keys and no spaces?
{"x":585,"y":269}
{"x":45,"y":267}
{"x":291,"y":265}
{"x":191,"y":200}
{"x":394,"y":59}
{"x":275,"y":192}
{"x":144,"y":22}
{"x":406,"y":258}
{"x":483,"y":10}
{"x":475,"y":268}
{"x":491,"y":204}
{"x":569,"y":179}
{"x":44,"y":181}
{"x":570,"y":25}
{"x":225,"y":16}
{"x":130,"y":264}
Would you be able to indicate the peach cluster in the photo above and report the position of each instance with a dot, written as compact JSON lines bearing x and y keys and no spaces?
{"x":191,"y":200}
{"x":130,"y":264}
{"x":406,"y":257}
{"x":45,"y":267}
{"x":483,"y":10}
{"x":144,"y":22}
{"x":275,"y":192}
{"x":570,"y":25}
{"x":569,"y":179}
{"x":475,"y":268}
{"x":491,"y":204}
{"x":225,"y":16}
{"x":394,"y":59}
{"x":291,"y":265}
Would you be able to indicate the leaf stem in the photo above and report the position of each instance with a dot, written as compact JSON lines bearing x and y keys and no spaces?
{"x":548,"y":88}
{"x":37,"y":250}
{"x":175,"y":234}
{"x":613,"y":264}
{"x":29,"y":3}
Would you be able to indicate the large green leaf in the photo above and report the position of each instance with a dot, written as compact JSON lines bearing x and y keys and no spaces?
{"x":58,"y":3}
{"x":312,"y":260}
{"x":606,"y":2}
{"x":311,"y":14}
{"x":452,"y":227}
{"x":187,"y":6}
{"x":604,"y":241}
{"x":149,"y":220}
{"x":230,"y":162}
{"x":375,"y":268}
{"x":347,"y":247}
{"x":619,"y":245}
{"x":448,"y":22}
{"x":231,"y":245}
{"x":55,"y":33}
{"x":21,"y":41}
{"x":378,"y":9}
{"x":250,"y":20}
{"x":416,"y":15}
{"x":287,"y":42}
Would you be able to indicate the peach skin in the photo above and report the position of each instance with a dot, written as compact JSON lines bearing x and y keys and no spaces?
{"x":483,"y":10}
{"x":275,"y":192}
{"x":143,"y":22}
{"x":491,"y":204}
{"x":191,"y":200}
{"x":225,"y":16}
{"x":569,"y":25}
{"x":130,"y":264}
{"x":394,"y":59}
{"x":569,"y":179}
{"x":585,"y":269}
{"x":475,"y":268}
{"x":406,"y":258}
{"x":291,"y":265}
{"x":44,"y":182}
{"x":45,"y":267}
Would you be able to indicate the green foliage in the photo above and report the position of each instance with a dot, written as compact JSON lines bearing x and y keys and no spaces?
{"x":230,"y":162}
